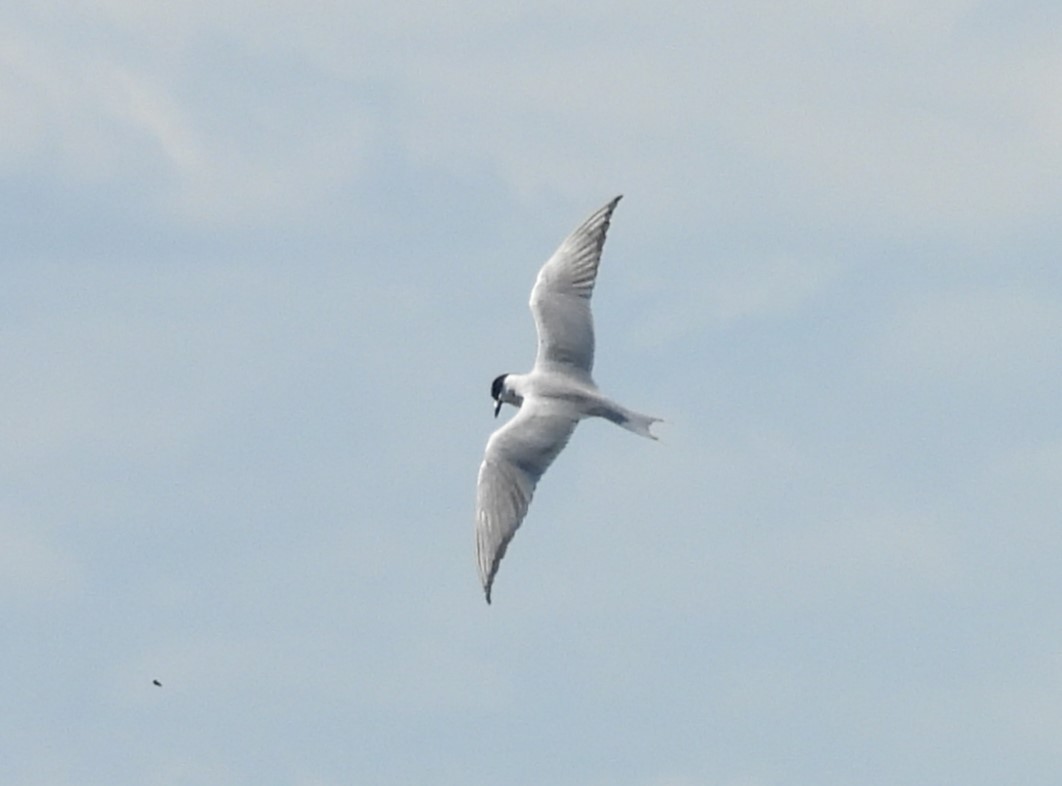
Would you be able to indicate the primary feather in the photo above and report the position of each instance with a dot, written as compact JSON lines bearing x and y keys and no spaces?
{"x":518,"y":455}
{"x":560,"y":299}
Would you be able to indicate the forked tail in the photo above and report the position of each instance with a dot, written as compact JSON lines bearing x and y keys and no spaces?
{"x":636,"y":422}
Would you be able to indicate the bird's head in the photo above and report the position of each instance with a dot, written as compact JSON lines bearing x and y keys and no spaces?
{"x":502,"y":393}
{"x":497,"y":387}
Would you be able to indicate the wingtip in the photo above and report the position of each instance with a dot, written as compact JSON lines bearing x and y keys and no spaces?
{"x":486,"y":576}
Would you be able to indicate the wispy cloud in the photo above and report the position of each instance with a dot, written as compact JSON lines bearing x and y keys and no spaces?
{"x":1001,"y":337}
{"x":262,"y":262}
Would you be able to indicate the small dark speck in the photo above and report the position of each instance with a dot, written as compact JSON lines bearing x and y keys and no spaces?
{"x":156,"y":683}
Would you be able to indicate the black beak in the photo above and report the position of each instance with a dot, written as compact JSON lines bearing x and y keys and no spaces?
{"x":497,"y":406}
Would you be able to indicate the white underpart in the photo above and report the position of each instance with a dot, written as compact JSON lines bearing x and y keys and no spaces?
{"x":557,"y":393}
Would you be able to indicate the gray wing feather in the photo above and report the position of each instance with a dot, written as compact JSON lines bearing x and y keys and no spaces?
{"x":517,"y":456}
{"x":560,"y":299}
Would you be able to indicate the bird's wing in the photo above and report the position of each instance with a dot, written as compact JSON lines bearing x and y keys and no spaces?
{"x":560,"y":299}
{"x":517,"y":455}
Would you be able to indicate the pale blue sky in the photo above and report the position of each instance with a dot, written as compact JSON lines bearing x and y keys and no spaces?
{"x":262,"y":260}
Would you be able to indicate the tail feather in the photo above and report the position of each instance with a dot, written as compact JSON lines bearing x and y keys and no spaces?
{"x":636,"y":422}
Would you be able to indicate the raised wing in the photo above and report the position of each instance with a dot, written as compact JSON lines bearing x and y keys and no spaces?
{"x":517,"y":455}
{"x":560,"y":299}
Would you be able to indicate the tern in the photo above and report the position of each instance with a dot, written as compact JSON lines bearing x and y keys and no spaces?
{"x":558,"y":392}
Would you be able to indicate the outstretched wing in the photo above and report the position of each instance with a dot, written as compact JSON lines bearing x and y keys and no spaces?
{"x":560,"y":299}
{"x":517,"y":455}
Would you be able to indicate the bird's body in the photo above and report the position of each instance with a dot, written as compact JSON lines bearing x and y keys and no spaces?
{"x":552,"y":398}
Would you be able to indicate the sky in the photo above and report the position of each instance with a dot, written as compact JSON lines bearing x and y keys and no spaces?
{"x":261,"y":262}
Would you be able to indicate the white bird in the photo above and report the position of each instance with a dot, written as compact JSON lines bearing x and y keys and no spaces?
{"x":552,"y":399}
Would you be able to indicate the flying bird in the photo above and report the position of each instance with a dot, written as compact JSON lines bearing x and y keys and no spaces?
{"x":156,"y":683}
{"x":558,"y":392}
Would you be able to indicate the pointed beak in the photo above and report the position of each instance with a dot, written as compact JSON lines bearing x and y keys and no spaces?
{"x":497,"y":406}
